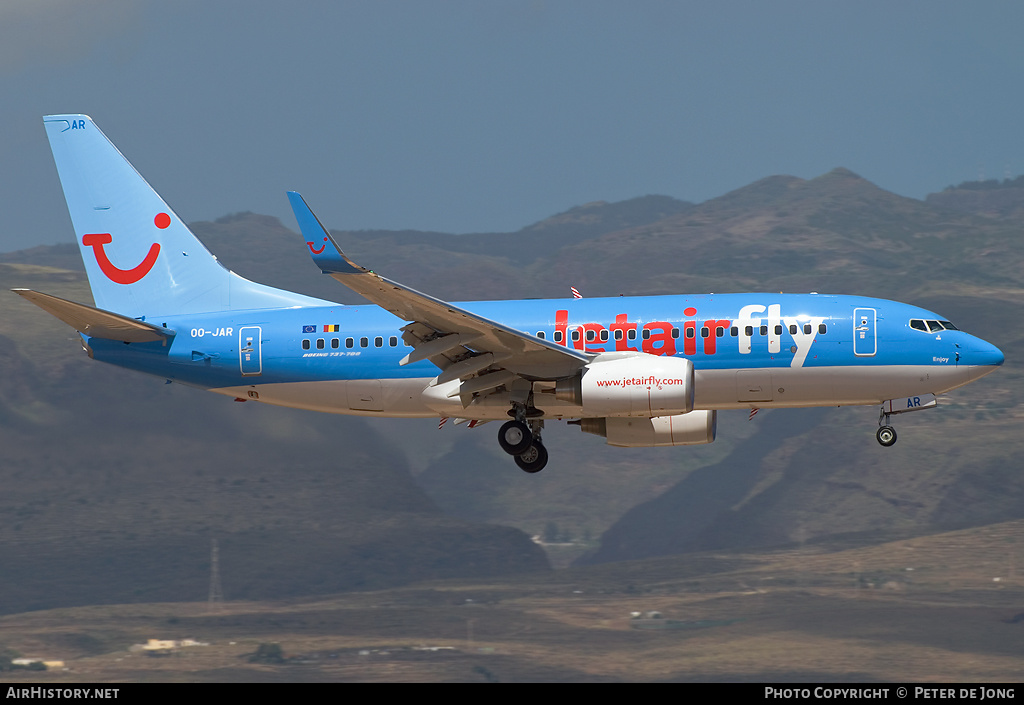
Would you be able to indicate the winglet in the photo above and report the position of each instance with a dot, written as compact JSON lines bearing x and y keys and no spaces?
{"x":326,"y":253}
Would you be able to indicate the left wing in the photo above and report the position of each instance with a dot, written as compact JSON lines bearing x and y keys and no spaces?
{"x":483,"y":353}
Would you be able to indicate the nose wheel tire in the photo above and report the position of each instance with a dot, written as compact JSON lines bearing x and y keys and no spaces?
{"x":886,"y":435}
{"x":533,"y":459}
{"x":515,"y":438}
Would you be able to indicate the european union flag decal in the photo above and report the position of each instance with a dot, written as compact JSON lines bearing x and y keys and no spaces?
{"x":309,"y":329}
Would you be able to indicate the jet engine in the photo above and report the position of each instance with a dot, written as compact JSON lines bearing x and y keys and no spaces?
{"x":694,"y":428}
{"x":631,"y":384}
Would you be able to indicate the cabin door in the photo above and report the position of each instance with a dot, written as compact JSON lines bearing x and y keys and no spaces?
{"x":250,"y":350}
{"x":865,"y":338}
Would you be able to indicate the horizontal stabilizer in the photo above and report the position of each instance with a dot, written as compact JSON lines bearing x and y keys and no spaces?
{"x":95,"y":322}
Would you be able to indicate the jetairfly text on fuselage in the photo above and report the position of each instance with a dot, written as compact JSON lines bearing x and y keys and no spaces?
{"x":660,"y":337}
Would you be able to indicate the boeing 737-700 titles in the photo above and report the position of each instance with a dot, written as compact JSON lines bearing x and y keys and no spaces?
{"x":639,"y":371}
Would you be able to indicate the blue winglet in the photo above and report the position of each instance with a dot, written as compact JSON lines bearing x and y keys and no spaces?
{"x":326,"y":253}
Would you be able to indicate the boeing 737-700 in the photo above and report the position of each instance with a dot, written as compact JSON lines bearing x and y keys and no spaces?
{"x":639,"y":371}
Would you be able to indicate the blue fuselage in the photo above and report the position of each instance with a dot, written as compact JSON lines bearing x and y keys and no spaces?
{"x":756,"y":349}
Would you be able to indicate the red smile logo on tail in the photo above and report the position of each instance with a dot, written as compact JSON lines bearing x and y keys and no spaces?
{"x":124,"y":276}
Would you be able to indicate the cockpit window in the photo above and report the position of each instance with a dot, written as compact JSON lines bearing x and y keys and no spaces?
{"x":931,"y":326}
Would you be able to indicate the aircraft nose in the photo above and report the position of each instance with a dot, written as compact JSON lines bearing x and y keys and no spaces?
{"x":985,"y":354}
{"x":982,"y":358}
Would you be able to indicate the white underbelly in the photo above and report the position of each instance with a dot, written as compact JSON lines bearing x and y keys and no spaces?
{"x":714,"y":389}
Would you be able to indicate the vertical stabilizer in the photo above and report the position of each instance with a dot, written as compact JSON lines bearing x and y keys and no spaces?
{"x":141,"y":259}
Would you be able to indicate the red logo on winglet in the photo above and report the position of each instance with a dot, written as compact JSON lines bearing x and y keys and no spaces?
{"x":322,"y":247}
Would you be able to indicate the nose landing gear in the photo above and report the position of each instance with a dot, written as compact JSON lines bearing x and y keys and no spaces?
{"x":886,"y":434}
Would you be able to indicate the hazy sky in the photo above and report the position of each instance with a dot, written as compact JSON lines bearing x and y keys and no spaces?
{"x":489,"y":115}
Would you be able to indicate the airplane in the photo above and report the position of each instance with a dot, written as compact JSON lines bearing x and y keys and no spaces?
{"x":640,"y":371}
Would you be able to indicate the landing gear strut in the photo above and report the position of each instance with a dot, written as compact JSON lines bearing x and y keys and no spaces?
{"x":521,"y":438}
{"x":886,"y":434}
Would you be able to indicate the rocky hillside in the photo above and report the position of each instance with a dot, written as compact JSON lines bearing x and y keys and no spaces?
{"x":283,"y":479}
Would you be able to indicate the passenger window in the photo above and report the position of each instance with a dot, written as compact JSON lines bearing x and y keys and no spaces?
{"x":764,"y":330}
{"x":604,"y":336}
{"x":350,"y":342}
{"x":792,"y":329}
{"x":558,"y":336}
{"x":748,"y":331}
{"x":807,"y":329}
{"x":632,"y":334}
{"x":734,"y":331}
{"x":335,"y":343}
{"x":305,"y":345}
{"x":363,"y":342}
{"x":719,"y":332}
{"x":647,"y":334}
{"x":319,"y":343}
{"x":778,"y":330}
{"x":618,"y":334}
{"x":821,"y":328}
{"x":704,"y":332}
{"x":590,"y":336}
{"x":690,"y":332}
{"x":393,"y":341}
{"x":378,"y":342}
{"x":540,"y":334}
{"x":576,"y":334}
{"x":675,"y":332}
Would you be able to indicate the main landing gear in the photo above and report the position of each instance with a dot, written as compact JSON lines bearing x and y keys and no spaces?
{"x":520,"y":438}
{"x":886,"y":434}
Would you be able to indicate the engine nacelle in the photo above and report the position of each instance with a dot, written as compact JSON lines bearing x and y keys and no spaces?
{"x":631,"y":384}
{"x":694,"y":428}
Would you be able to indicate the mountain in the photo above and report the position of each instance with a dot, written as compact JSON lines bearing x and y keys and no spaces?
{"x":785,"y":477}
{"x":116,"y":485}
{"x":988,"y":198}
{"x":815,"y":474}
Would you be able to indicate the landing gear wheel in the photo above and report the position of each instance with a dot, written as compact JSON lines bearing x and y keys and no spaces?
{"x":886,"y":435}
{"x":533,"y":459}
{"x":514,"y":437}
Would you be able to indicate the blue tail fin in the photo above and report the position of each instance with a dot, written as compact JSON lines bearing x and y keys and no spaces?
{"x":141,"y":259}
